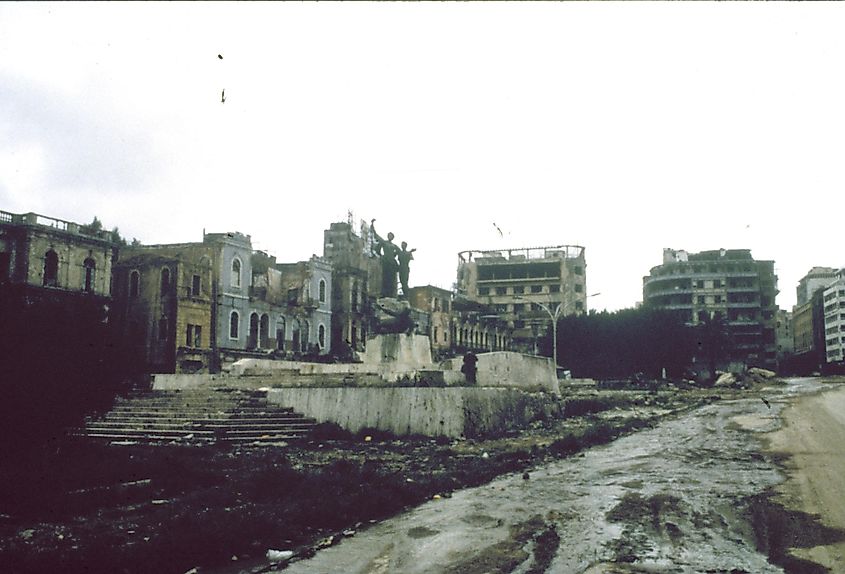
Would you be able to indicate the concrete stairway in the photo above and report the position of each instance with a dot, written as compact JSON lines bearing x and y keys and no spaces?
{"x":206,"y":415}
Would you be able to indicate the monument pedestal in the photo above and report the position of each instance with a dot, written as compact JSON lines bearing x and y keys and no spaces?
{"x":400,"y":351}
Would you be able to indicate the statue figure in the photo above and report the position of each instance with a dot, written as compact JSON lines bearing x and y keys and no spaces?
{"x":393,"y":317}
{"x":404,"y":256}
{"x":387,"y":251}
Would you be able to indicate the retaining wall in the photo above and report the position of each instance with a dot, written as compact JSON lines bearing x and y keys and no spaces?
{"x":452,"y":412}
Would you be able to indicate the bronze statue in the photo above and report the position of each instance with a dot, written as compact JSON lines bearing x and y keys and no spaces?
{"x":404,"y":256}
{"x":388,"y":253}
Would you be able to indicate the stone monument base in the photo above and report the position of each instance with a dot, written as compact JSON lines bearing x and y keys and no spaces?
{"x":403,"y":352}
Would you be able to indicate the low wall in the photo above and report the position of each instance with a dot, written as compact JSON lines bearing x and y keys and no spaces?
{"x":451,"y":412}
{"x":178,"y":382}
{"x":509,"y":369}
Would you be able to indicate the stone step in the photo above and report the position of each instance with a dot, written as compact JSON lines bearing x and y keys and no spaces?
{"x":225,"y":420}
{"x":203,"y":415}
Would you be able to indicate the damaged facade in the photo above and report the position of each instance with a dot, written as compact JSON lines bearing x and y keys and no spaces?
{"x":38,"y":252}
{"x":516,"y":283}
{"x":197,"y":306}
{"x":353,"y":267}
{"x":726,"y":284}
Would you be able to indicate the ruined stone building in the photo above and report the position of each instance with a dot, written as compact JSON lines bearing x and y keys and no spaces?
{"x":42,"y":254}
{"x":163,"y":304}
{"x":727,"y":284}
{"x":437,"y":304}
{"x":353,"y":271}
{"x":306,"y":288}
{"x":517,"y":283}
{"x":476,"y":327}
{"x":199,"y":306}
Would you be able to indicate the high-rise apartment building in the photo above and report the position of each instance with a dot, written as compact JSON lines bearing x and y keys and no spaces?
{"x":727,"y":284}
{"x":526,"y":286}
{"x":834,"y":320}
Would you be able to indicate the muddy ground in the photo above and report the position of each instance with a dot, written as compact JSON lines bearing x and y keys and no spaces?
{"x":88,"y":507}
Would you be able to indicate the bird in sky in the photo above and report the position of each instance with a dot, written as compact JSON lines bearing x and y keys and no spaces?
{"x":497,"y":229}
{"x":223,"y":97}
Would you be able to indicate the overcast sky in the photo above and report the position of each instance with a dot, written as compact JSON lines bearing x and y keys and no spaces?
{"x":622,"y":127}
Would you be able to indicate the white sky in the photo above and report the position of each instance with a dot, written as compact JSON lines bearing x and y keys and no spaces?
{"x":623,"y":127}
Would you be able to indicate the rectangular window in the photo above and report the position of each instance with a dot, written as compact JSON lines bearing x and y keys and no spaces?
{"x":518,"y":307}
{"x":578,"y":287}
{"x":536,"y":288}
{"x":578,"y":270}
{"x":519,"y":290}
{"x":483,"y":290}
{"x":195,"y":286}
{"x":435,"y":334}
{"x":701,"y":299}
{"x":554,"y":288}
{"x":501,"y":291}
{"x":193,"y":336}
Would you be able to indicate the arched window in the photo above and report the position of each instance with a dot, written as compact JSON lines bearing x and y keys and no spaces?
{"x":321,"y":336}
{"x":322,"y":290}
{"x":165,"y":280}
{"x":134,"y":283}
{"x":51,"y":269}
{"x":236,"y":273}
{"x":89,"y":266}
{"x":252,"y":340}
{"x":234,"y":324}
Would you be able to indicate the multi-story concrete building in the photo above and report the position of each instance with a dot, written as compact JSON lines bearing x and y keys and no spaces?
{"x":785,"y":342}
{"x":518,"y":283}
{"x":834,"y":320}
{"x":726,"y":284}
{"x":808,"y":318}
{"x":815,"y":279}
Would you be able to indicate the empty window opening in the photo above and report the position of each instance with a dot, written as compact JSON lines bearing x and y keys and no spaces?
{"x":234,"y":324}
{"x":165,"y":280}
{"x":193,"y":336}
{"x":90,"y":268}
{"x":51,"y":269}
{"x":134,"y":283}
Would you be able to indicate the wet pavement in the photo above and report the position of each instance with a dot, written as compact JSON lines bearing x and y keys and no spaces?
{"x":668,"y":499}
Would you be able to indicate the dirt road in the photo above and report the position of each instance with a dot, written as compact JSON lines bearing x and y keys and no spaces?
{"x":813,"y":440}
{"x":686,"y":496}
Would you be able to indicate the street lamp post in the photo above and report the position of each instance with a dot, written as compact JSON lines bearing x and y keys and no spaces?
{"x":554,"y":315}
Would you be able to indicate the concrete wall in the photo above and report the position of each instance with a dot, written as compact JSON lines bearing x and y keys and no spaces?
{"x":452,"y":412}
{"x":509,"y":369}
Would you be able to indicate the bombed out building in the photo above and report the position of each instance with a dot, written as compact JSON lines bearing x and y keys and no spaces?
{"x":516,"y":285}
{"x":724,"y":284}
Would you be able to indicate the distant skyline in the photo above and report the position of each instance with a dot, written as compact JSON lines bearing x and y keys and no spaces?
{"x":623,"y":127}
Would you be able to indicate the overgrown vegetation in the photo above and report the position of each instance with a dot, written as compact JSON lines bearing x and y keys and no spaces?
{"x":619,"y":344}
